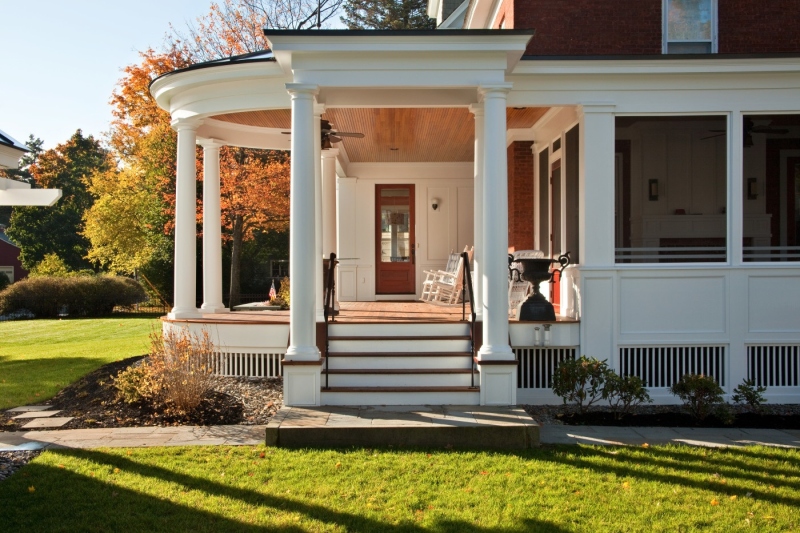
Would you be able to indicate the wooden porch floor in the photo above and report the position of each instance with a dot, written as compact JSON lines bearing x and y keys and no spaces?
{"x":355,"y":312}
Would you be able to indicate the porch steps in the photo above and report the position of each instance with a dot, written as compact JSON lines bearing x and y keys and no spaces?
{"x":399,"y":364}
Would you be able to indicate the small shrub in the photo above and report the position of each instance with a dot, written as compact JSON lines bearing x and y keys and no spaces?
{"x":81,"y":296}
{"x":746,"y":393}
{"x":284,"y":294}
{"x":701,"y":395}
{"x":50,"y":266}
{"x":624,"y":393}
{"x":175,"y":377}
{"x":580,"y":381}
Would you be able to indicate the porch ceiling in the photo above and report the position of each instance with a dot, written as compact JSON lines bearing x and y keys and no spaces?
{"x":397,"y":135}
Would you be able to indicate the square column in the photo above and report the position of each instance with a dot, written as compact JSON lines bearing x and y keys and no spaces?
{"x":477,"y":256}
{"x":302,"y":364}
{"x":185,"y":292}
{"x":496,"y":359}
{"x":212,"y":230}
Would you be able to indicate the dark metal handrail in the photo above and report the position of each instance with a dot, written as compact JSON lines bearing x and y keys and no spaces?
{"x":328,"y":307}
{"x":466,"y":289}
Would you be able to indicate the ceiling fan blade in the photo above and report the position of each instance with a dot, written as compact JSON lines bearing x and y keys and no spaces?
{"x":769,"y":129}
{"x":334,"y":139}
{"x":348,"y":134}
{"x":286,"y":132}
{"x":712,"y":136}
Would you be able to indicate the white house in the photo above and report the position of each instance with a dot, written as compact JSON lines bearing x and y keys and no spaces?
{"x":673,"y":181}
{"x":14,"y":192}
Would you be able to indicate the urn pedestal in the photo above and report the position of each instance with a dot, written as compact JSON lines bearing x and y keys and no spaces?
{"x":533,"y":268}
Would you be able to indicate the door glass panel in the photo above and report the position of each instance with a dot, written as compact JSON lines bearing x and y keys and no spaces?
{"x":395,"y":226}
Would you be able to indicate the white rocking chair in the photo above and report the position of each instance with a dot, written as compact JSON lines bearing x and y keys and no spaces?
{"x":445,"y":288}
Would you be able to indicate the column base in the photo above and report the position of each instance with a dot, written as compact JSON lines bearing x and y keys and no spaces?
{"x":499,"y":383}
{"x":501,"y":352}
{"x":208,"y":309}
{"x":301,"y":384}
{"x":184,"y":313}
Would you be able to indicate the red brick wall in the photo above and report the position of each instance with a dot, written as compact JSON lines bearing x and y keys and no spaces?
{"x":634,"y":27}
{"x":751,"y":27}
{"x":590,"y":27}
{"x":520,"y":196}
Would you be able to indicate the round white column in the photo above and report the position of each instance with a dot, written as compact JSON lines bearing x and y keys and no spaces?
{"x":212,"y":229}
{"x":319,"y":312}
{"x":477,"y":256}
{"x":329,"y":201}
{"x":185,"y":222}
{"x":302,"y":221}
{"x":495,"y":226}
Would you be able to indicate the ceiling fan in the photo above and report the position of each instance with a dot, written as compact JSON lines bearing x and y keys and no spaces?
{"x":330,"y":135}
{"x":749,"y":129}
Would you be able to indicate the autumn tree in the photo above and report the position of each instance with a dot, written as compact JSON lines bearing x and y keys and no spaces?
{"x":254,"y":196}
{"x":387,"y":15}
{"x":39,"y":231}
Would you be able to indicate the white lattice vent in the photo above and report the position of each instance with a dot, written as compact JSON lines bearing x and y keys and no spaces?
{"x":774,"y":365}
{"x":253,"y":365}
{"x":661,"y":366}
{"x":537,"y":364}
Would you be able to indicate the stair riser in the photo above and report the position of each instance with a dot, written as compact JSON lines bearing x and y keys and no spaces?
{"x":400,"y":380}
{"x":390,"y":346}
{"x":348,"y":363}
{"x":400,"y":398}
{"x":399,"y":330}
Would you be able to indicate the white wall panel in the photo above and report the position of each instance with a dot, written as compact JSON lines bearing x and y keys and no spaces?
{"x":597,"y":333}
{"x":774,"y":304}
{"x":676,"y":304}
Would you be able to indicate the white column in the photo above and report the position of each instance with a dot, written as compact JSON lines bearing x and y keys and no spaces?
{"x":596,"y":229}
{"x":329,"y":201}
{"x":477,"y":256}
{"x":498,"y":371}
{"x":596,"y":181}
{"x":212,"y":229}
{"x":301,"y":365}
{"x":185,"y":222}
{"x":319,"y":293}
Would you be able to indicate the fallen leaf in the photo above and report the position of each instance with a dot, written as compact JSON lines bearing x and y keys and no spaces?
{"x":626,"y":485}
{"x":116,"y":470}
{"x":484,"y":473}
{"x":31,"y":489}
{"x":338,"y":465}
{"x":645,"y":445}
{"x":733,"y":498}
{"x":715,"y":502}
{"x":61,"y":466}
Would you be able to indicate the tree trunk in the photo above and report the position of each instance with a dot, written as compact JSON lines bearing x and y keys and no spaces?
{"x":236,"y":260}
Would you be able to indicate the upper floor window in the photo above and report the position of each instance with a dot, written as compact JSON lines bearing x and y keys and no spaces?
{"x":690,"y":26}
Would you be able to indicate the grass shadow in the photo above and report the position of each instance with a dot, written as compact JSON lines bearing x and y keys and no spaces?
{"x":87,"y":504}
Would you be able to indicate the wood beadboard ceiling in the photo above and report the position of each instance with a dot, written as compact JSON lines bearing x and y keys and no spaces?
{"x":425,"y":135}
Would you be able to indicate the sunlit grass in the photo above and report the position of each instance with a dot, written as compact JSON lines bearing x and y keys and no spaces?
{"x":569,"y":488}
{"x":40,"y":357}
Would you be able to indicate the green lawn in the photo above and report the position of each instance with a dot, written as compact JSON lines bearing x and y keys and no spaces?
{"x":39,"y":357}
{"x":554,"y":489}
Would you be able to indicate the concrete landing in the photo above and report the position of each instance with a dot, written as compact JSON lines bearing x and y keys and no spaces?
{"x":456,"y":426}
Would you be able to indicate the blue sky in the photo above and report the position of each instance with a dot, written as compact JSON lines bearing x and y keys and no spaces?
{"x":60,"y":59}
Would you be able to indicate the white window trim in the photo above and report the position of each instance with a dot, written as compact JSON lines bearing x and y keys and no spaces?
{"x":714,"y":27}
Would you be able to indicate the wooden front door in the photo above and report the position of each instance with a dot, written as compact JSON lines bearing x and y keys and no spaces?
{"x":394,"y":239}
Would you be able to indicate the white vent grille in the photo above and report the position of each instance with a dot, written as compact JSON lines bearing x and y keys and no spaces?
{"x":661,"y":366}
{"x":253,"y":365}
{"x":536,"y":365}
{"x":774,"y":366}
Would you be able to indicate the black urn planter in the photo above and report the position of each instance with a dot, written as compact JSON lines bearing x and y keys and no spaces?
{"x":535,"y":270}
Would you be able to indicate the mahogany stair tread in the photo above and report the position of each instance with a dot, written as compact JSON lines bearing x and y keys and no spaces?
{"x":402,"y":389}
{"x":400,"y":354}
{"x":399,"y":338}
{"x":400,"y":371}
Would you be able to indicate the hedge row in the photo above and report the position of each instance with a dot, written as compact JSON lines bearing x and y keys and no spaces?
{"x":49,"y":297}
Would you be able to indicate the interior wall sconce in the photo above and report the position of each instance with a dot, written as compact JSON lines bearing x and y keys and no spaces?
{"x":652,"y":189}
{"x":435,"y":203}
{"x":752,"y":188}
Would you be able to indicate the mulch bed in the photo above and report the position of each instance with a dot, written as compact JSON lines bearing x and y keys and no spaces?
{"x":94,"y":403}
{"x":771,"y":417}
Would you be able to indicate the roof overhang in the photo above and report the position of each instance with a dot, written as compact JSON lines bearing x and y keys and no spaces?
{"x":11,"y":150}
{"x":17,"y":193}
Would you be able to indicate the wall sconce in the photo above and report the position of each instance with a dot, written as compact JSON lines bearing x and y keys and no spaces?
{"x":652,"y":189}
{"x":435,"y":203}
{"x":752,"y":188}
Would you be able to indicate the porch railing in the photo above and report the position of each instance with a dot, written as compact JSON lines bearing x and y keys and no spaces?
{"x":328,"y":308}
{"x":466,"y":290}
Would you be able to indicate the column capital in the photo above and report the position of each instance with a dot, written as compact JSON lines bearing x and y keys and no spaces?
{"x":499,"y":90}
{"x":476,"y":109}
{"x":302,"y":90}
{"x":596,"y":107}
{"x":330,"y":152}
{"x":211,"y":143}
{"x":192,"y":124}
{"x":319,"y":109}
